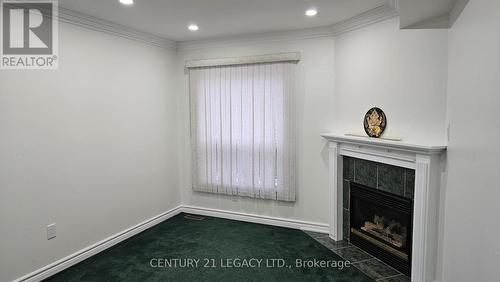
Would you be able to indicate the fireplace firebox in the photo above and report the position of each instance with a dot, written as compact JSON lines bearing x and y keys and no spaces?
{"x":381,"y":224}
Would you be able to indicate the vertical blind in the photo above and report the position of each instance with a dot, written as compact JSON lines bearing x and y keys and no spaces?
{"x":242,"y":130}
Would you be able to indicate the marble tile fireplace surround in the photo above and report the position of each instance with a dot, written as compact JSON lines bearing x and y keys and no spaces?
{"x":416,"y":169}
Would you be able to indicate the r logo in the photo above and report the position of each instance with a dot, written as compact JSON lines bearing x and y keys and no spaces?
{"x":29,"y":34}
{"x":27,"y":28}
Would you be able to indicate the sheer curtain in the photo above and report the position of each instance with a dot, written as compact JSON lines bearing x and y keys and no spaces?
{"x":242,"y":130}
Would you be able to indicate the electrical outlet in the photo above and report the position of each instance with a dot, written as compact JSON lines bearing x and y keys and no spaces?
{"x":51,"y":231}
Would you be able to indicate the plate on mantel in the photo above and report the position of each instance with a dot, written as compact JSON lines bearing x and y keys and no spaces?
{"x":375,"y":122}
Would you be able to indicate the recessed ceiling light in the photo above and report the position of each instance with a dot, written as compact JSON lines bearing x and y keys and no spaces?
{"x":127,"y":2}
{"x":193,"y":27}
{"x":311,"y":12}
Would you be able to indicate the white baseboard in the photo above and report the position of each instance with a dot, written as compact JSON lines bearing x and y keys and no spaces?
{"x":261,"y":219}
{"x":96,"y":248}
{"x":100,"y":246}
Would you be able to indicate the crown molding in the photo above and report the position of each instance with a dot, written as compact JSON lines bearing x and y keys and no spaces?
{"x":383,"y":12}
{"x":372,"y":16}
{"x":290,"y":35}
{"x":457,"y":11}
{"x":445,"y":21}
{"x":394,"y":4}
{"x":440,"y":22}
{"x":90,"y":22}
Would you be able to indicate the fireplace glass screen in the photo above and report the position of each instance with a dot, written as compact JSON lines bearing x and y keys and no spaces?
{"x":381,"y":224}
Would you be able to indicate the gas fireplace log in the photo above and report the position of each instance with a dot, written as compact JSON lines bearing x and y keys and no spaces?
{"x":370,"y":225}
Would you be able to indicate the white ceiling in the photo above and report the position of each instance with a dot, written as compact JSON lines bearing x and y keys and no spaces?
{"x":413,"y":12}
{"x":219,"y":18}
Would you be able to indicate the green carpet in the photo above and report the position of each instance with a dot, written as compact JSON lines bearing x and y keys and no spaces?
{"x":217,"y":239}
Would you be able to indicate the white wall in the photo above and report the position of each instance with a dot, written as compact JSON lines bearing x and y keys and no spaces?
{"x":103,"y":143}
{"x":401,"y":71}
{"x":404,"y":72}
{"x":472,"y":214}
{"x":314,"y":115}
{"x":90,"y":146}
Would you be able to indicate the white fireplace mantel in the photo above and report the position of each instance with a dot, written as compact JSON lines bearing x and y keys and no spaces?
{"x":425,"y":160}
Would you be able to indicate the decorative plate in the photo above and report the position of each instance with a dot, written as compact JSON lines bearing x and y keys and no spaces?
{"x":375,"y":122}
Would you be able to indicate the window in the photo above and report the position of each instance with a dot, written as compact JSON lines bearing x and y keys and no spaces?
{"x":242,"y":130}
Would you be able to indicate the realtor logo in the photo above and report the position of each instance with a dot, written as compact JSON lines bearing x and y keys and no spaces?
{"x":29,"y":34}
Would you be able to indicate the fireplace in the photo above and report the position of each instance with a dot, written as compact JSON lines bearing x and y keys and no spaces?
{"x":423,"y":162}
{"x":381,"y":224}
